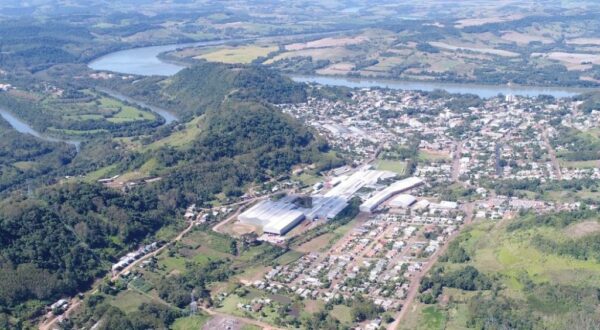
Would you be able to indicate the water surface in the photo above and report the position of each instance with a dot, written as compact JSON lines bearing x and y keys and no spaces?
{"x":23,"y":127}
{"x":144,"y":61}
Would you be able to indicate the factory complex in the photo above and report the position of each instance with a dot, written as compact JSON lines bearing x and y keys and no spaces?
{"x":280,"y":216}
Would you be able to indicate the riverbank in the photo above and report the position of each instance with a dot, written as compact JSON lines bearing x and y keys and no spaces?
{"x":22,"y":127}
{"x":147,"y":61}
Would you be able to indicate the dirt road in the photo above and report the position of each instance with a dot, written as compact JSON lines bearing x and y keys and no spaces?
{"x":552,"y":153}
{"x":257,"y":323}
{"x":416,"y":281}
{"x":456,"y":161}
{"x":75,"y":302}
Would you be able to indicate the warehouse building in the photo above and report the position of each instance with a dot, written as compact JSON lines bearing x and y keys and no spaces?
{"x":275,"y":217}
{"x":402,"y":201}
{"x":397,"y":187}
{"x":279,"y":217}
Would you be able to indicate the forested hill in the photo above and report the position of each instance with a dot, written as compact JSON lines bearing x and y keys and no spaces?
{"x":195,"y":90}
{"x":59,"y":241}
{"x":24,"y":157}
{"x":244,"y":138}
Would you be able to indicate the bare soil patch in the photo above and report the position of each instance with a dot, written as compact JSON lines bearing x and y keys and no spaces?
{"x":582,"y":229}
{"x":326,"y":42}
{"x":525,"y":38}
{"x":584,"y":41}
{"x":492,"y":51}
{"x":573,"y":61}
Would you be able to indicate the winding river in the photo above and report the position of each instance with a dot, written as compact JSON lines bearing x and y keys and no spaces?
{"x":144,"y":61}
{"x":168,"y":116}
{"x":23,"y":127}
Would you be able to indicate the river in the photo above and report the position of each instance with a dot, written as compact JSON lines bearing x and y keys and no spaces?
{"x":144,"y":61}
{"x":168,"y":116}
{"x":23,"y":127}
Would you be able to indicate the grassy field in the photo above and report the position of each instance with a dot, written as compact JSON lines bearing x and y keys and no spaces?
{"x":514,"y":261}
{"x":180,"y":138}
{"x":92,"y":107}
{"x":242,"y":54}
{"x":129,"y":301}
{"x":289,"y":257}
{"x":122,"y":113}
{"x":316,"y":244}
{"x":342,"y":313}
{"x":433,"y":157}
{"x":396,"y":166}
{"x":194,"y":322}
{"x":580,"y":164}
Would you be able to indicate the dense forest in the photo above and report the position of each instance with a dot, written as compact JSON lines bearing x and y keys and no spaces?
{"x":65,"y":236}
{"x":60,"y":240}
{"x":206,"y":86}
{"x":244,"y":138}
{"x":24,"y":157}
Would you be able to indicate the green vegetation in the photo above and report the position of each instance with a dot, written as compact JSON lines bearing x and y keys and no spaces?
{"x":59,"y":242}
{"x":243,"y":54}
{"x":395,"y":166}
{"x":77,"y":112}
{"x":533,"y":279}
{"x":210,"y":86}
{"x":190,"y":323}
{"x":24,"y":157}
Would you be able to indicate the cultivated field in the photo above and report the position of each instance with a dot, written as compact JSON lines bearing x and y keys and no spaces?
{"x":243,"y":54}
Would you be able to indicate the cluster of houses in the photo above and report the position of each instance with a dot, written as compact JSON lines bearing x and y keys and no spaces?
{"x":130,"y":257}
{"x":379,"y":258}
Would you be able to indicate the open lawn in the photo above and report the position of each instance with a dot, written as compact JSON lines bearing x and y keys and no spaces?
{"x":129,"y":300}
{"x":396,"y":166}
{"x":242,"y":54}
{"x":316,"y":244}
{"x":289,"y":257}
{"x":343,"y":313}
{"x":181,"y":137}
{"x":194,"y":322}
{"x":124,"y":113}
{"x":580,"y":164}
{"x":430,"y":156}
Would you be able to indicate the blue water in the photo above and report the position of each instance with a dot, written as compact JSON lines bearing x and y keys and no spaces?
{"x":144,"y":61}
{"x":23,"y":127}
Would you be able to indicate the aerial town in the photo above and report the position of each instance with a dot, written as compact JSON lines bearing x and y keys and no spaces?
{"x":419,"y":177}
{"x":405,"y":218}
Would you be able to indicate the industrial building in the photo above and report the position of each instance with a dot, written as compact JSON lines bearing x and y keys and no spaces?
{"x":402,"y":201}
{"x":275,"y":217}
{"x":397,"y":187}
{"x":279,"y":217}
{"x":326,"y":208}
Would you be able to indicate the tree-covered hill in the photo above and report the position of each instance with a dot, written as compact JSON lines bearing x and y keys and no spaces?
{"x":24,"y":157}
{"x":65,"y":236}
{"x":61,"y":240}
{"x":206,"y":86}
{"x":244,"y":137}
